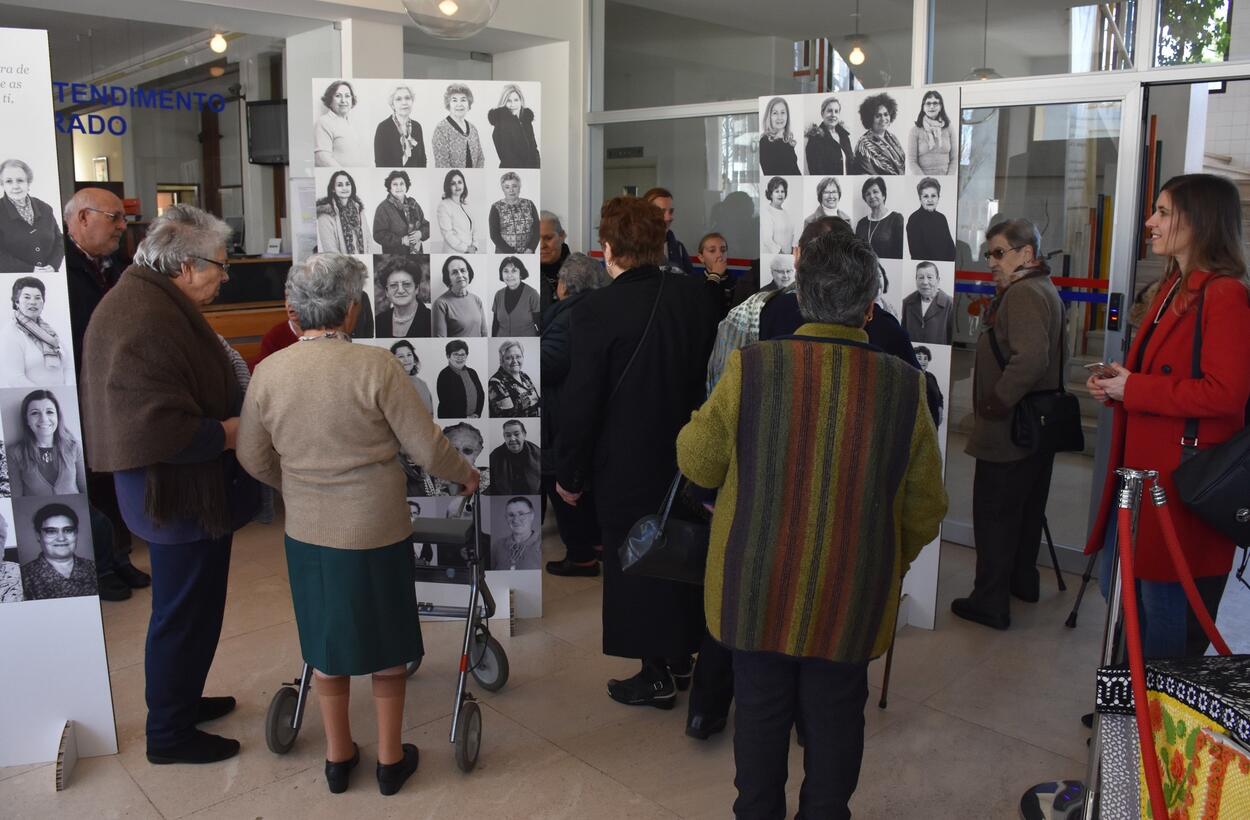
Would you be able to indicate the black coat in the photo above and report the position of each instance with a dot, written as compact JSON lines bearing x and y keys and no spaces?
{"x":556,"y":359}
{"x":514,"y":138}
{"x":384,"y":324}
{"x":86,"y":289}
{"x":827,"y":154}
{"x":777,"y":157}
{"x":929,"y":236}
{"x":550,"y":278}
{"x":23,"y":246}
{"x":387,"y":152}
{"x":451,"y":398}
{"x":624,"y":446}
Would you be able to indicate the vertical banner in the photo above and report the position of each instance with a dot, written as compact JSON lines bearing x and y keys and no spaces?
{"x":886,"y":161}
{"x":434,"y":185}
{"x":51,"y":637}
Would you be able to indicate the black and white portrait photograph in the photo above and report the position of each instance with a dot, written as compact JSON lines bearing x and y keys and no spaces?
{"x":827,"y":142}
{"x":469,"y":440}
{"x":516,"y":533}
{"x":879,"y":152}
{"x":781,"y":214}
{"x":43,"y":447}
{"x":54,"y":547}
{"x":401,"y":225}
{"x":777,"y":271}
{"x":515,"y":308}
{"x":513,"y":126}
{"x":461,"y":295}
{"x":456,"y":140}
{"x":516,"y":463}
{"x":929,"y":226}
{"x":890,"y":273}
{"x":462,"y":212}
{"x":932,"y":142}
{"x":5,"y":490}
{"x":30,"y":228}
{"x":10,"y":568}
{"x":35,"y":346}
{"x":513,"y":387}
{"x":880,"y":224}
{"x":398,"y":141}
{"x":343,"y":221}
{"x":338,"y":138}
{"x":935,"y":361}
{"x":425,"y":554}
{"x":416,"y":363}
{"x":824,"y":195}
{"x":928,"y":309}
{"x":401,"y":293}
{"x":459,"y":387}
{"x":779,"y":126}
{"x":513,"y":220}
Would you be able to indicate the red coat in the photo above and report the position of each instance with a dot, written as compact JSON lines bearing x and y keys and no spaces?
{"x":1157,"y":400}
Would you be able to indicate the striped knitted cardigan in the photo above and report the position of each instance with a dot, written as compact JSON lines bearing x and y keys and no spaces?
{"x":831,"y":484}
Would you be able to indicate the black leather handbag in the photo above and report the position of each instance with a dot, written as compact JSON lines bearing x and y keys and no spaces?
{"x":1215,"y":483}
{"x":1045,"y":420}
{"x":660,"y":546}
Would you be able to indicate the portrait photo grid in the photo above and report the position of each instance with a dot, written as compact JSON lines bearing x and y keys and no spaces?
{"x":434,"y":186}
{"x":45,"y":523}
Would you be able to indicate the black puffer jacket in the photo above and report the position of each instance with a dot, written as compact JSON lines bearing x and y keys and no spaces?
{"x":514,"y":138}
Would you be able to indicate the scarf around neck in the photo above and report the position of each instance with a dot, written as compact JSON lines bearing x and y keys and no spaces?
{"x":44,"y":337}
{"x":353,"y":235}
{"x":933,"y":133}
{"x":406,"y":142}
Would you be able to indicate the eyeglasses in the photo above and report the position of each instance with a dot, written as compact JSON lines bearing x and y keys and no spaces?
{"x":395,"y":286}
{"x":225,"y":266}
{"x":114,"y":216}
{"x":999,"y":253}
{"x":53,"y":532}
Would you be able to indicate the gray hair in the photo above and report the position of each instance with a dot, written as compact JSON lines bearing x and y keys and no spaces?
{"x":182,"y":233}
{"x":322,"y":289}
{"x":508,"y":345}
{"x":390,"y":100}
{"x":579,"y":273}
{"x":837,"y":280}
{"x":510,"y":176}
{"x":548,"y":216}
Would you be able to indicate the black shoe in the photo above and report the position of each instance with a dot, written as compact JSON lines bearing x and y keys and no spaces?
{"x":569,"y":569}
{"x":392,"y":776}
{"x":201,"y":747}
{"x":213,"y":708}
{"x":963,"y":608}
{"x":338,"y":774}
{"x":111,"y":588}
{"x":133,"y":577}
{"x":1087,"y":720}
{"x":701,"y":727}
{"x":682,"y":672}
{"x":644,"y":690}
{"x":1027,"y":589}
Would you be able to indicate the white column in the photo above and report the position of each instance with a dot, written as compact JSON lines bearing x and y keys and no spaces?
{"x":316,"y":53}
{"x":258,"y":194}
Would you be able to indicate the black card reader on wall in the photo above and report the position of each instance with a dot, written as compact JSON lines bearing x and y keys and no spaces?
{"x":1115,"y":306}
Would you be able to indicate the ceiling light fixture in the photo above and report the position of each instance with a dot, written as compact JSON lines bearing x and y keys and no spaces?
{"x":218,"y":44}
{"x":451,"y":19}
{"x":985,"y":72}
{"x":856,"y":55}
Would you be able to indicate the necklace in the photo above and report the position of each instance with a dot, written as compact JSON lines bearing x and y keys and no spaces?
{"x":45,"y":454}
{"x":873,"y":224}
{"x":329,"y":334}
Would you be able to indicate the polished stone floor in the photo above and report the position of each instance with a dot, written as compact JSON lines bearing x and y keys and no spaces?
{"x":974,"y":718}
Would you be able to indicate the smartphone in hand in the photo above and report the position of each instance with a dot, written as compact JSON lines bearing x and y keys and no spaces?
{"x":1100,"y":370}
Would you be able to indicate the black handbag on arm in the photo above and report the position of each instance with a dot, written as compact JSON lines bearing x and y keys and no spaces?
{"x":1215,"y":483}
{"x":660,"y":546}
{"x":1045,"y":420}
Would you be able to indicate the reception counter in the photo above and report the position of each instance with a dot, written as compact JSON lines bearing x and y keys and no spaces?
{"x":251,"y":302}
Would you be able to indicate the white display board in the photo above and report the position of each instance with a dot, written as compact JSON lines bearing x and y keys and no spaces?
{"x":434,"y":185}
{"x":886,"y":161}
{"x":51,"y":637}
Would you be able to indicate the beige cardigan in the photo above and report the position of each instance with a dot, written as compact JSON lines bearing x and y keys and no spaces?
{"x":323,"y":421}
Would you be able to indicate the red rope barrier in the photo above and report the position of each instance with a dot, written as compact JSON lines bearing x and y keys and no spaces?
{"x":1173,"y":542}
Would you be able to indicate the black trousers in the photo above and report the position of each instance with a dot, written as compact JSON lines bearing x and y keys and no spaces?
{"x":773,"y":692}
{"x":578,"y":526}
{"x":188,"y":602}
{"x":712,"y":690}
{"x":1008,"y":504}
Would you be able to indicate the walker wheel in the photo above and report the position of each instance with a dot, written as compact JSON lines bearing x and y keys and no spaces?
{"x":468,"y":736}
{"x":489,"y":662}
{"x":280,"y":733}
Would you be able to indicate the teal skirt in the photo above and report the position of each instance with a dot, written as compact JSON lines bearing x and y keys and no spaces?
{"x":356,"y":610}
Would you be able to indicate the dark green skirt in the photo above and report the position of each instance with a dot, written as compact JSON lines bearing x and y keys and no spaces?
{"x":356,"y":610}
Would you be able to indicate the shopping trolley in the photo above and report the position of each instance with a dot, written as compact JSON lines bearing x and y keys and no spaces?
{"x":481,"y":654}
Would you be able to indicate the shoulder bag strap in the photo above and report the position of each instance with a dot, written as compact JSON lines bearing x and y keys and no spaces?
{"x":650,"y":320}
{"x":996,"y":350}
{"x":1002,"y":360}
{"x":668,"y":500}
{"x":1189,"y":439}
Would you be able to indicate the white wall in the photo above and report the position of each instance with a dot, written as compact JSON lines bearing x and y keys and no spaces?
{"x":439,"y":67}
{"x":1228,"y":114}
{"x":89,"y":146}
{"x":314,"y":53}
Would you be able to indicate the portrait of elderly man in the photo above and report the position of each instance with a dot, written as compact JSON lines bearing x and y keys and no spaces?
{"x":57,"y":572}
{"x":520,"y":547}
{"x":869,"y":502}
{"x":929,"y":312}
{"x":781,"y":269}
{"x":160,"y":404}
{"x":515,"y":465}
{"x":552,"y":251}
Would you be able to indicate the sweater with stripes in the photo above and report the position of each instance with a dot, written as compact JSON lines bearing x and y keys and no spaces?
{"x":831,"y":484}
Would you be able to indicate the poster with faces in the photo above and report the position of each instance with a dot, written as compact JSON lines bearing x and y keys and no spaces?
{"x":436,"y":185}
{"x":886,"y":162}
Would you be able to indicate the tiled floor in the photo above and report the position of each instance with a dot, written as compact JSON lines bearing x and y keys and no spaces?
{"x":974,"y":718}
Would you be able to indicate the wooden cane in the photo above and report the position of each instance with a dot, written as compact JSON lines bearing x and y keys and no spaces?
{"x":889,"y":659}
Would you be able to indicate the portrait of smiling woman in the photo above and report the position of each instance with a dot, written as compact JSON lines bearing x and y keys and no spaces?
{"x":45,"y":458}
{"x":31,"y":351}
{"x":397,"y":142}
{"x":335,"y":138}
{"x":30,"y":233}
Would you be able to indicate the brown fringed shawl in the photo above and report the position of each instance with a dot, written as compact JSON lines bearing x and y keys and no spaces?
{"x":153,"y":369}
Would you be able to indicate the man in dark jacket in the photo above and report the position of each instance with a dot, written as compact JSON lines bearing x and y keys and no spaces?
{"x":552,"y":251}
{"x":674,"y":251}
{"x":514,"y":465}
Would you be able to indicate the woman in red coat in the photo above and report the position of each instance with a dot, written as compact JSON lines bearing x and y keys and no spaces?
{"x":1197,"y":226}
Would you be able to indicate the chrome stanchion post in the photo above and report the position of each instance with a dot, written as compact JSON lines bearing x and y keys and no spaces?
{"x":1129,"y":497}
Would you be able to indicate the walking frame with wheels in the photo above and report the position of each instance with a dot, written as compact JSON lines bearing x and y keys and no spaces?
{"x":481,"y":654}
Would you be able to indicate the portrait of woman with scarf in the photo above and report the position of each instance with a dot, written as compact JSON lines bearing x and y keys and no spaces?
{"x":32,"y":353}
{"x":932,"y":147}
{"x":341,"y":223}
{"x":30,"y":233}
{"x":397,"y":142}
